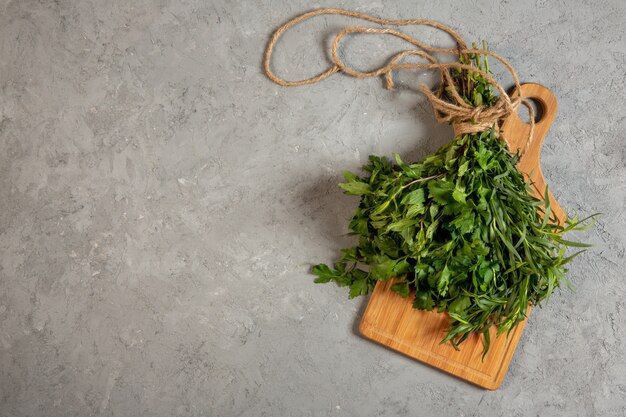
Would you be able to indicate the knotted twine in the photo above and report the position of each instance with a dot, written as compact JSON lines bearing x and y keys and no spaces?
{"x":463,"y":117}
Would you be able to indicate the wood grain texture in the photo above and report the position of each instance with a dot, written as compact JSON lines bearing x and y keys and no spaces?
{"x":391,"y":320}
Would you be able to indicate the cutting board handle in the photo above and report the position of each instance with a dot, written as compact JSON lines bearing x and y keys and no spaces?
{"x":515,"y":132}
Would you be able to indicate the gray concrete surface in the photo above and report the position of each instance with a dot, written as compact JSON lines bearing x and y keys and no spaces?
{"x":161,"y":200}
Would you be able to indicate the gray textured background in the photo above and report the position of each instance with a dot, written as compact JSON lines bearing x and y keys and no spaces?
{"x":161,"y":200}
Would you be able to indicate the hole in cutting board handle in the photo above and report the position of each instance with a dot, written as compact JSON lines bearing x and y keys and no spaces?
{"x":538,"y":108}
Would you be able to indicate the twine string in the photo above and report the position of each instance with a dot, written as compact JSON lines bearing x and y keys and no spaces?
{"x":463,"y":117}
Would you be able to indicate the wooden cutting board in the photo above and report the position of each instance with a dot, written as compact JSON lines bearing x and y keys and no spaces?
{"x":391,"y":320}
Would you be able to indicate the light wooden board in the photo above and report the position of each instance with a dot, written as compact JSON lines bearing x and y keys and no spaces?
{"x":393,"y":322}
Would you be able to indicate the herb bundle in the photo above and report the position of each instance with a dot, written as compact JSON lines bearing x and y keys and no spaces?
{"x":461,"y":231}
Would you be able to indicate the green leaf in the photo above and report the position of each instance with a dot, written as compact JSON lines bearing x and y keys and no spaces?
{"x":432,"y":228}
{"x":358,"y":287}
{"x":322,"y":280}
{"x":401,"y":288}
{"x":401,"y":225}
{"x":443,"y":281}
{"x":359,"y":225}
{"x":323,"y":272}
{"x":459,"y":195}
{"x":382,"y":267}
{"x":408,"y":234}
{"x":355,"y":188}
{"x":482,"y":157}
{"x":572,"y":243}
{"x":401,"y":267}
{"x":569,"y":258}
{"x":350,"y":176}
{"x":415,"y":210}
{"x":387,"y":245}
{"x":349,"y":255}
{"x":465,"y":222}
{"x":459,"y":318}
{"x":486,"y":343}
{"x":463,"y":169}
{"x":459,"y":305}
{"x":441,"y":191}
{"x":413,"y":171}
{"x":433,"y":210}
{"x":423,"y":300}
{"x":416,"y":197}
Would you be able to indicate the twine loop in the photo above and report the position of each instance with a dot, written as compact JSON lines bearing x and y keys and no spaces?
{"x":450,"y":108}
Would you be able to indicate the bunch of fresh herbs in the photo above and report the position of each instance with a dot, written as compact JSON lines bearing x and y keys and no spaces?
{"x":462,"y":230}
